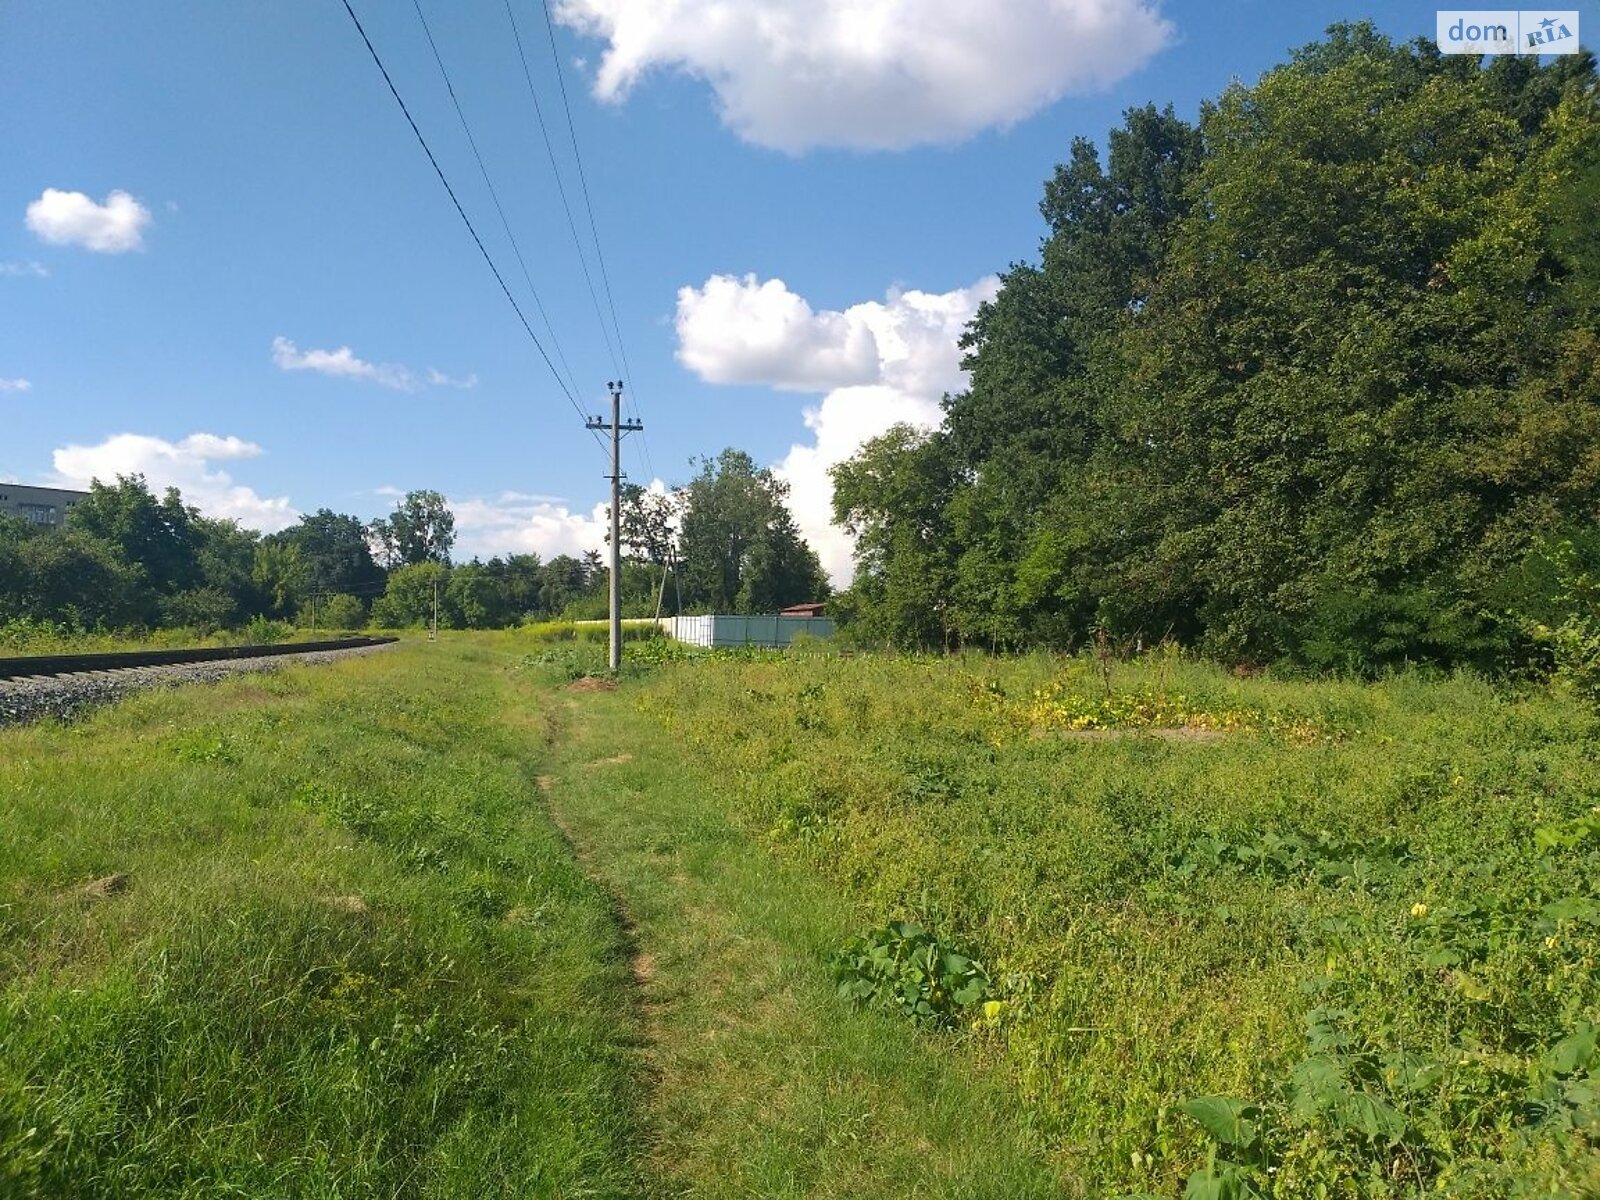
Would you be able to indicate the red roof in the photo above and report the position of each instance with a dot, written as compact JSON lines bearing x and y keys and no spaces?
{"x":802,"y":610}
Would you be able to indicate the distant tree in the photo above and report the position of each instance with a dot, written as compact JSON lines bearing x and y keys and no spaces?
{"x":779,"y":568}
{"x":204,"y":609}
{"x":520,"y":574}
{"x":739,"y":547}
{"x":74,"y":577}
{"x":12,"y":581}
{"x":561,"y":580}
{"x":409,"y":596}
{"x":278,"y":576}
{"x":477,"y":597}
{"x":892,"y":497}
{"x":335,"y":552}
{"x":649,"y":523}
{"x":227,"y":566}
{"x":341,"y":611}
{"x":421,"y":529}
{"x":161,"y":536}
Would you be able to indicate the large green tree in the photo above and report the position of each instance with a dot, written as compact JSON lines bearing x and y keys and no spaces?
{"x":738,"y":544}
{"x":334,"y":550}
{"x":421,"y":529}
{"x":1313,"y":378}
{"x":893,"y":497}
{"x":162,"y":536}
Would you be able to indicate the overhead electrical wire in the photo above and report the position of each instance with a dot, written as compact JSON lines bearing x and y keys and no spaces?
{"x":494,"y":195}
{"x":594,"y":229}
{"x":466,"y":220}
{"x":561,"y":187}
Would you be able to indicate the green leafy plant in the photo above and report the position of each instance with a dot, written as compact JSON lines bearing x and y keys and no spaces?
{"x":1566,"y":1087}
{"x":1575,"y":641}
{"x":1234,"y":1126}
{"x":904,"y":967}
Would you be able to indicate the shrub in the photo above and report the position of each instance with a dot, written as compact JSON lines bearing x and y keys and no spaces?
{"x":342,"y":612}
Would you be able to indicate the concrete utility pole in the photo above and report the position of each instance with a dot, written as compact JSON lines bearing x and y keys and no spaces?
{"x":618,"y":427}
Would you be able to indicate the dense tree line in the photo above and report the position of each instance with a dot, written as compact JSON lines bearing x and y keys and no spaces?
{"x":1312,"y":379}
{"x":128,"y":559}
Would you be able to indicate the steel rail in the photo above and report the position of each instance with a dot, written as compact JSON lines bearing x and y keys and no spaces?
{"x":41,"y":665}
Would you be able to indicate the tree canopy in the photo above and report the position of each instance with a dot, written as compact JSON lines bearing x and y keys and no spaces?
{"x":421,"y":529}
{"x":130,"y":559}
{"x":739,"y":547}
{"x":1314,"y":378}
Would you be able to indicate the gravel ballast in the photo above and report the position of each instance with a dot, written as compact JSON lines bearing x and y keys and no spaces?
{"x":64,"y":697}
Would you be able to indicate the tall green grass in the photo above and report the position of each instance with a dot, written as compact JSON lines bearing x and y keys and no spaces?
{"x":1363,"y":920}
{"x":588,"y":632}
{"x":349,"y":957}
{"x":760,"y":1084}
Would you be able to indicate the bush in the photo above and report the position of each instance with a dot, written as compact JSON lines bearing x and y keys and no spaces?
{"x":342,"y":612}
{"x":205,"y":609}
{"x":1575,"y":641}
{"x":263,"y":632}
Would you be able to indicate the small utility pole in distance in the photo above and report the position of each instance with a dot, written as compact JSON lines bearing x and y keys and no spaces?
{"x":617,"y":427}
{"x":433,"y":633}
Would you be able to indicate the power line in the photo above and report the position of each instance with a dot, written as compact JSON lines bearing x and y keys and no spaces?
{"x":594,"y":229}
{"x":494,"y":195}
{"x":466,"y":220}
{"x":561,"y":189}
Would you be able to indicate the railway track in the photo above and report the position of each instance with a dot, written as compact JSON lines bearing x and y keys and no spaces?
{"x":36,"y":666}
{"x":63,"y":685}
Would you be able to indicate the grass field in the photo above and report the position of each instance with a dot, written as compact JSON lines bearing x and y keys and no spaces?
{"x":444,"y":922}
{"x":340,"y":952}
{"x":1294,"y":939}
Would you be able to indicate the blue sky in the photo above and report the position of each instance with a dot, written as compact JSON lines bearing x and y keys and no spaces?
{"x":798,"y":207}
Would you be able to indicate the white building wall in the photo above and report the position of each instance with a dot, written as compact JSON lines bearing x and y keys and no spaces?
{"x":716,"y":631}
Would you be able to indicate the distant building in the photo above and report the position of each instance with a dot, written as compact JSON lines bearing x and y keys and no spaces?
{"x":813,"y":609}
{"x":37,"y":505}
{"x":773,"y":631}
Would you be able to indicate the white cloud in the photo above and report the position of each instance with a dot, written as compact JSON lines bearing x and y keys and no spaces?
{"x":765,"y":334}
{"x":512,"y":524}
{"x":440,"y":379}
{"x":523,"y":523}
{"x":340,"y":364}
{"x":742,"y":331}
{"x":72,"y":219}
{"x":20,"y":268}
{"x":872,"y":74}
{"x":16,"y":385}
{"x":186,"y":465}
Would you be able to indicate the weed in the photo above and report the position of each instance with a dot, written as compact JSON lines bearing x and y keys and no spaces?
{"x":906,"y":968}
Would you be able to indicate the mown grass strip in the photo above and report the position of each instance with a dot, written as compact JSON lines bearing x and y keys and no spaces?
{"x":763,"y":1083}
{"x":335,"y":950}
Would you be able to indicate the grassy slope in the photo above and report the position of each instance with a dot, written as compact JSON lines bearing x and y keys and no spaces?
{"x":1405,"y":939}
{"x":763,"y":1083}
{"x":235,"y":1023}
{"x":473,"y":1027}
